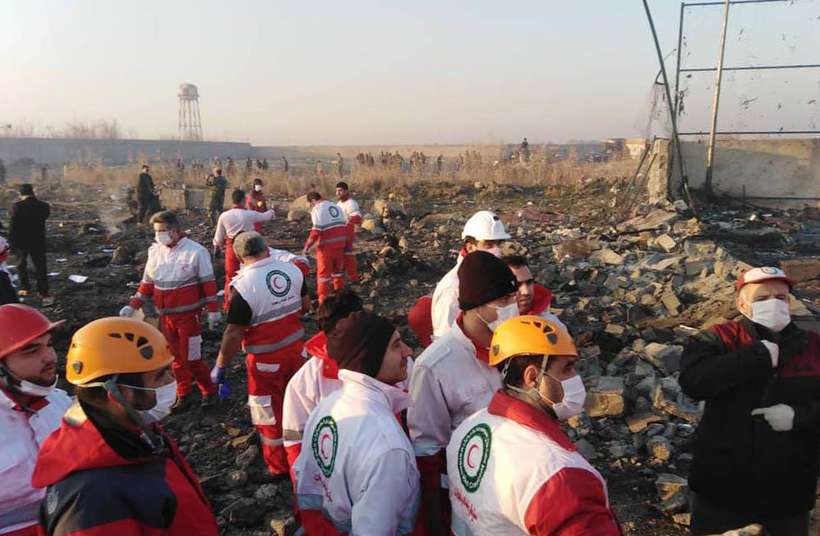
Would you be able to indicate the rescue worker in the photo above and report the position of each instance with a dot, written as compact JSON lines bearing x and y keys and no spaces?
{"x":232,"y":222}
{"x":27,"y":235}
{"x":264,"y":317}
{"x":756,"y":447}
{"x":146,"y":192}
{"x":484,"y":231}
{"x":179,"y":277}
{"x":283,"y":255}
{"x":256,"y":201}
{"x":356,"y":473}
{"x":8,"y":294}
{"x":452,"y":378}
{"x":330,"y":233}
{"x":533,"y":299}
{"x":30,"y":409}
{"x":110,"y":468}
{"x":318,"y":376}
{"x":354,"y":217}
{"x":511,"y":468}
{"x":217,"y":184}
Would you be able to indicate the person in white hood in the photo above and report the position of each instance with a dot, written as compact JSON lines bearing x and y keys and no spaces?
{"x":356,"y":473}
{"x":484,"y":231}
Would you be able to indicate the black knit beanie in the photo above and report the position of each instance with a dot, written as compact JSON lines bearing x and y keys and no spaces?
{"x":482,"y":278}
{"x":359,"y":341}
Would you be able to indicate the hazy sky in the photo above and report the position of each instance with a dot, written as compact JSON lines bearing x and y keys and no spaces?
{"x":331,"y":72}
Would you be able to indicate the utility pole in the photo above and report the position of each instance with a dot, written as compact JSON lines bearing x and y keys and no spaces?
{"x":710,"y":149}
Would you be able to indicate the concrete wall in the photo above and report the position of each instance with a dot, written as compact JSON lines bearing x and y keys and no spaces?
{"x":775,"y":169}
{"x":58,"y":151}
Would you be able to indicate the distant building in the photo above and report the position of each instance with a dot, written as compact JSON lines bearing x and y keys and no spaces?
{"x":635,"y":147}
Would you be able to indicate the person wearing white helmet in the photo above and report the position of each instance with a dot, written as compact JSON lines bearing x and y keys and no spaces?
{"x":755,"y":450}
{"x":484,"y":231}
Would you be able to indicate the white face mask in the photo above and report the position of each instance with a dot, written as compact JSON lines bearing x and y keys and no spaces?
{"x":502,"y":313}
{"x":257,"y":187}
{"x":165,"y":397}
{"x":163,"y":237}
{"x":773,"y":314}
{"x":494,"y":250}
{"x":575,"y":395}
{"x":33,"y":389}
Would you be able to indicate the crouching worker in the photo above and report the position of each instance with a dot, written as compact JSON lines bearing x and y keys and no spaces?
{"x":511,"y":468}
{"x":110,"y":469}
{"x":357,"y":472}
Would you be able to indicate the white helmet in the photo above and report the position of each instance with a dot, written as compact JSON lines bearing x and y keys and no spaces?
{"x":485,"y":225}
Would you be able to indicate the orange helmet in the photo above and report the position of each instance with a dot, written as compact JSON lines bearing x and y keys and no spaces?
{"x":21,"y":324}
{"x":530,"y":335}
{"x":115,"y":345}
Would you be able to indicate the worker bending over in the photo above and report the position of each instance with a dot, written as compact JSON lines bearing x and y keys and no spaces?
{"x":264,"y":317}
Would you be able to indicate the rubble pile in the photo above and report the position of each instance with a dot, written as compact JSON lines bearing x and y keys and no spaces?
{"x":630,"y":291}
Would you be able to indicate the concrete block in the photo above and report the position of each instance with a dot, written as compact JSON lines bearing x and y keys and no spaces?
{"x":606,"y":398}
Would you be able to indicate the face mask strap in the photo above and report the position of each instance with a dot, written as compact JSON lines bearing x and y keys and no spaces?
{"x":153,"y":440}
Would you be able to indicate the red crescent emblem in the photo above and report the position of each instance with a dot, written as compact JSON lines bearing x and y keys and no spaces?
{"x":469,"y":456}
{"x":322,"y":445}
{"x":276,"y":284}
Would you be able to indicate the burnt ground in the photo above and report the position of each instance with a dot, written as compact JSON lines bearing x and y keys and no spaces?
{"x":418,"y":245}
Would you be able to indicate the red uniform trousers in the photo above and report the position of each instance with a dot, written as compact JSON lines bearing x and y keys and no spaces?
{"x":268,"y":375}
{"x":350,"y":255}
{"x":25,"y":531}
{"x":330,"y":269}
{"x":183,"y":333}
{"x":231,"y":267}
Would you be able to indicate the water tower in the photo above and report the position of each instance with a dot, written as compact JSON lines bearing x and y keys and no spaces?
{"x":190,"y":124}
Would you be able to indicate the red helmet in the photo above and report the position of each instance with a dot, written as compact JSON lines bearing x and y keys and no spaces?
{"x":21,"y":324}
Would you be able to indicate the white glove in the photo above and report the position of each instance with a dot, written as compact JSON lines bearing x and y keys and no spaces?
{"x":214,"y":319}
{"x":127,"y":311}
{"x":780,"y":417}
{"x":774,"y":351}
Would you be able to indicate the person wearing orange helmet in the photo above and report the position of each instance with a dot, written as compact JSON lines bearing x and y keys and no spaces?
{"x":30,"y":409}
{"x":110,"y":468}
{"x":511,"y":468}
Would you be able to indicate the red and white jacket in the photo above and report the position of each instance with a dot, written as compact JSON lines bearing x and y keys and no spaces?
{"x":329,"y":229}
{"x":237,"y":220}
{"x":513,"y":471}
{"x":352,"y":212}
{"x":22,"y":435}
{"x":282,"y":255}
{"x":451,"y":380}
{"x":180,"y":279}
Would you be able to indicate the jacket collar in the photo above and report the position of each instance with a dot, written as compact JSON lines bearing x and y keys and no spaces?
{"x":316,"y":346}
{"x":362,"y":385}
{"x":9,"y":400}
{"x":504,"y":405}
{"x":481,"y":353}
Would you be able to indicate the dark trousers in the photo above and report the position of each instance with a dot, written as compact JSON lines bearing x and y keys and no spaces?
{"x":143,"y":211}
{"x":38,"y":257}
{"x":709,"y":518}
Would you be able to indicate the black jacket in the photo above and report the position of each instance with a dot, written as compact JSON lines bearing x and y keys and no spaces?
{"x":7,"y":292}
{"x":145,"y":187}
{"x":28,"y":224}
{"x":740,"y":462}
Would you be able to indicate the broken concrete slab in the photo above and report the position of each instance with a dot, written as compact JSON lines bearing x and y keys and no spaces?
{"x":605,"y":397}
{"x":669,"y":398}
{"x":666,"y":242}
{"x":638,"y":422}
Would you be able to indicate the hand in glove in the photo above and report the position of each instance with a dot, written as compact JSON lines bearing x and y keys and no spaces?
{"x":774,"y":351}
{"x":780,"y":417}
{"x":127,"y":311}
{"x":218,"y":377}
{"x":214,"y":319}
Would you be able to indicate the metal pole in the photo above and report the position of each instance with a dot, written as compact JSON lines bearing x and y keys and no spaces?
{"x":675,"y":140}
{"x":710,"y":150}
{"x":677,"y":63}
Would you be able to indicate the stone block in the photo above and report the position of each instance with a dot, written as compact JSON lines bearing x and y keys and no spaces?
{"x":664,"y":356}
{"x":669,"y":398}
{"x":671,"y":302}
{"x":659,"y":448}
{"x":666,"y":242}
{"x":606,"y":397}
{"x":607,"y":256}
{"x":638,"y":422}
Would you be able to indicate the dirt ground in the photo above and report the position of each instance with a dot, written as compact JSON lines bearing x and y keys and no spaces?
{"x":418,"y":246}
